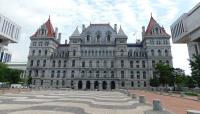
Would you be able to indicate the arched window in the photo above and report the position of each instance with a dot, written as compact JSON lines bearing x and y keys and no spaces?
{"x":108,"y":38}
{"x":98,"y":38}
{"x":152,"y":52}
{"x":138,"y":83}
{"x":112,"y":74}
{"x":144,"y":75}
{"x":64,"y":74}
{"x":122,"y":74}
{"x":51,"y":82}
{"x":131,"y":64}
{"x":104,"y":74}
{"x":52,"y":74}
{"x":166,"y":53}
{"x":39,"y":52}
{"x":74,"y":52}
{"x":53,"y":63}
{"x":43,"y":73}
{"x":122,"y":63}
{"x":97,"y":64}
{"x":31,"y":63}
{"x":153,"y":63}
{"x":159,"y":52}
{"x":122,"y":84}
{"x":143,"y":64}
{"x":97,"y":74}
{"x":59,"y":63}
{"x":112,"y":64}
{"x":57,"y":82}
{"x":105,"y":64}
{"x":122,"y":52}
{"x":88,"y":38}
{"x":90,"y":64}
{"x":132,"y":75}
{"x":44,"y":63}
{"x":38,"y":62}
{"x":33,"y":52}
{"x":72,"y":74}
{"x":132,"y":84}
{"x":138,"y":75}
{"x":45,"y":52}
{"x":145,"y":84}
{"x":83,"y":63}
{"x":58,"y":74}
{"x":90,"y":73}
{"x":73,"y":63}
{"x":167,"y":62}
{"x":65,"y":63}
{"x":82,"y":74}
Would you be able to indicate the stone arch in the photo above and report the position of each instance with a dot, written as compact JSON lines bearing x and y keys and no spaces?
{"x":96,"y":85}
{"x":104,"y":85}
{"x":112,"y":85}
{"x":80,"y":85}
{"x":88,"y":85}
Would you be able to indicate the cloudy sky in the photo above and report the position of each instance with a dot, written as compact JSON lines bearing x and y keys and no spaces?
{"x":67,"y":14}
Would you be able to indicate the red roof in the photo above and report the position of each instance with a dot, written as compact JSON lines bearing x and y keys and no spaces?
{"x":49,"y":27}
{"x":151,"y":25}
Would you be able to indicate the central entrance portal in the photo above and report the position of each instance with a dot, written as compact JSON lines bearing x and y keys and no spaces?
{"x":96,"y":85}
{"x":80,"y":85}
{"x":112,"y":85}
{"x":88,"y":85}
{"x":104,"y":85}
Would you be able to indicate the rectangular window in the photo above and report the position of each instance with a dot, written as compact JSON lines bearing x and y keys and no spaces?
{"x":73,"y":63}
{"x":122,"y":63}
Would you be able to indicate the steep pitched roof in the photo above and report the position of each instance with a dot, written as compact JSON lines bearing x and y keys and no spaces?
{"x":49,"y":27}
{"x":152,"y":24}
{"x":121,"y":32}
{"x":76,"y":32}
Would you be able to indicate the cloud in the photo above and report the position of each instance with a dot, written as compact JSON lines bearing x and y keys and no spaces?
{"x":67,"y":14}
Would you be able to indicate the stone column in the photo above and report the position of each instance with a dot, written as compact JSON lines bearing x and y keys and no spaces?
{"x":100,"y":85}
{"x":92,"y":85}
{"x":157,"y":105}
{"x":142,"y":99}
{"x":108,"y":85}
{"x":84,"y":84}
{"x":76,"y":84}
{"x":193,"y":112}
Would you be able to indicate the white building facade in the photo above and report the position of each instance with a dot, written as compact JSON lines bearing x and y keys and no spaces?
{"x":186,"y":29}
{"x":9,"y":33}
{"x":97,"y":58}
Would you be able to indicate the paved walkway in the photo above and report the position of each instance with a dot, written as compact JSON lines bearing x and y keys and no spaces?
{"x":173,"y":104}
{"x":72,"y":102}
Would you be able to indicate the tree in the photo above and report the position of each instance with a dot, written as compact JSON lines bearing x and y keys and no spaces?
{"x":195,"y":67}
{"x":190,"y":82}
{"x":165,"y":73}
{"x":154,"y":82}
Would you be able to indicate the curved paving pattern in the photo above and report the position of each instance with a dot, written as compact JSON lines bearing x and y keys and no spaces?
{"x":70,"y":102}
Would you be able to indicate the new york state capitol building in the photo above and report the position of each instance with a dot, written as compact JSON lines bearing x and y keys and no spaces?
{"x":97,"y":58}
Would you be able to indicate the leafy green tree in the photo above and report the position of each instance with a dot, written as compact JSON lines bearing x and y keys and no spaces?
{"x":3,"y":71}
{"x":195,"y":67}
{"x":165,"y":73}
{"x":154,"y":82}
{"x":190,"y":82}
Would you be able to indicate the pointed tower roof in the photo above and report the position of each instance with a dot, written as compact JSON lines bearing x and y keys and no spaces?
{"x":121,"y":32}
{"x":49,"y":27}
{"x":76,"y":32}
{"x":152,"y":24}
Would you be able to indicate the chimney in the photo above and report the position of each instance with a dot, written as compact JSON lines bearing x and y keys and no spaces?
{"x":115,"y":27}
{"x":59,"y":37}
{"x":65,"y":41}
{"x":56,"y":32}
{"x":143,"y":31}
{"x":83,"y":27}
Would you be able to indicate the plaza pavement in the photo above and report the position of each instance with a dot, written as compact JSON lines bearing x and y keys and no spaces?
{"x":72,"y":102}
{"x":175,"y":104}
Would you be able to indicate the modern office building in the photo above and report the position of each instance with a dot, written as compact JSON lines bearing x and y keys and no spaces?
{"x":97,"y":58}
{"x":186,"y":29}
{"x":9,"y":33}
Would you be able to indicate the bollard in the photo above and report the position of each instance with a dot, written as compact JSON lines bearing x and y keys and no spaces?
{"x":198,"y":97}
{"x":157,"y":105}
{"x":134,"y":96}
{"x":170,"y":92}
{"x":142,"y":99}
{"x":182,"y":94}
{"x":193,"y":112}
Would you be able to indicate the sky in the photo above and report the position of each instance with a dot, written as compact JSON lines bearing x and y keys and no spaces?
{"x":68,"y":14}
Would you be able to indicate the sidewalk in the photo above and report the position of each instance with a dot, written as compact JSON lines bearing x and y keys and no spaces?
{"x":176,"y":105}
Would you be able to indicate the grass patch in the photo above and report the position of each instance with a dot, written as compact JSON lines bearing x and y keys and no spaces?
{"x":191,"y":94}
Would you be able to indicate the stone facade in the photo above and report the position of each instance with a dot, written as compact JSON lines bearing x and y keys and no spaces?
{"x":97,"y":58}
